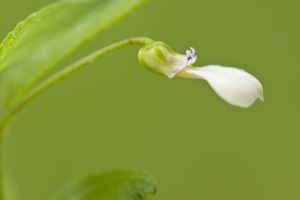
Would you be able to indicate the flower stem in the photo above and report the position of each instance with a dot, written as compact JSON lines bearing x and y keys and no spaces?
{"x":66,"y":71}
{"x":55,"y":78}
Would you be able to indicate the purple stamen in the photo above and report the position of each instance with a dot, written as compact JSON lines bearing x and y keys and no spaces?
{"x":194,"y":53}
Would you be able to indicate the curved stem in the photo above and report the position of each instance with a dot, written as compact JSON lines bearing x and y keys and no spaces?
{"x":55,"y":78}
{"x":66,"y":71}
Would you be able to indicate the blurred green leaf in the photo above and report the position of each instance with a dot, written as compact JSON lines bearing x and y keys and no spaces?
{"x":112,"y":185}
{"x":48,"y":36}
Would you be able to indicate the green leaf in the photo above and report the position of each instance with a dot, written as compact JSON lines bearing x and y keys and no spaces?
{"x":112,"y":185}
{"x":45,"y":38}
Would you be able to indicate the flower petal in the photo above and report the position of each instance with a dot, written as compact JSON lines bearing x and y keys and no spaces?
{"x":235,"y":86}
{"x":191,"y":56}
{"x":194,"y":55}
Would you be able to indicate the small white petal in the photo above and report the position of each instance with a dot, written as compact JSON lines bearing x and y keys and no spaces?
{"x":189,"y":57}
{"x":235,"y":86}
{"x":188,"y":53}
{"x":194,"y":55}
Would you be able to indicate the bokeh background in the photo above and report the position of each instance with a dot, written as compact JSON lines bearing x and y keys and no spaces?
{"x":114,"y":113}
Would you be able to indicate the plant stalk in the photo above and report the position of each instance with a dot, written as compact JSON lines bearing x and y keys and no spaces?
{"x":55,"y":78}
{"x":66,"y":71}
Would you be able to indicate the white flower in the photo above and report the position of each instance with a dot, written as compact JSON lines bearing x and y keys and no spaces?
{"x":235,"y":86}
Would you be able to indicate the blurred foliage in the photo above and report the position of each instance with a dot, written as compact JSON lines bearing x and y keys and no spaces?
{"x":115,"y":113}
{"x":114,"y":185}
{"x":38,"y":43}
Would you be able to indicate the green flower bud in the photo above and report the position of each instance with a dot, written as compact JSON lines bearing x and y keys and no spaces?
{"x":162,"y":60}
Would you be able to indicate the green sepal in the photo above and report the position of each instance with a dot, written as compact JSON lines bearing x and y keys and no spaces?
{"x":160,"y":59}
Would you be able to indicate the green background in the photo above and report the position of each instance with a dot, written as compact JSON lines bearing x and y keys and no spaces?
{"x":114,"y":113}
